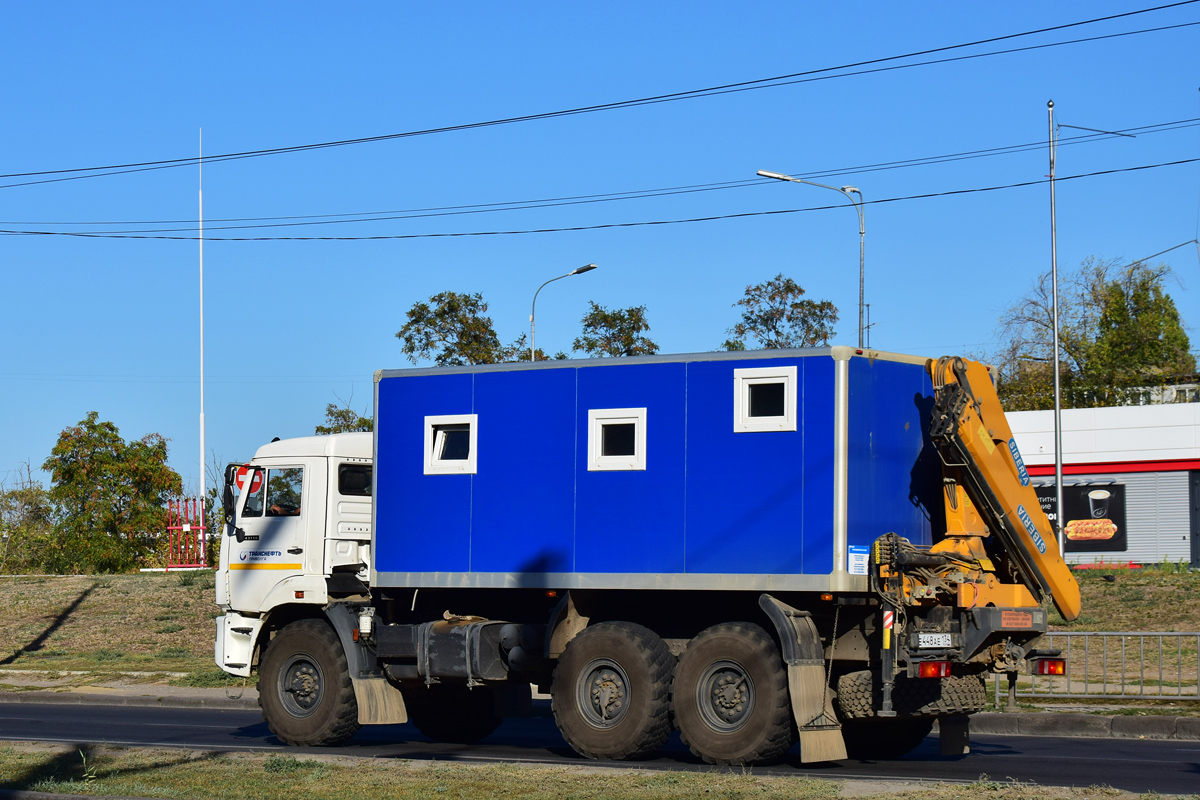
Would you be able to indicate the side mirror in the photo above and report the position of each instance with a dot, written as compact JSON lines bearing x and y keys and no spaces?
{"x":227,"y":503}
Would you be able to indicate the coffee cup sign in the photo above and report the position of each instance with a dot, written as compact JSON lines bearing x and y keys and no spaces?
{"x":1098,"y":503}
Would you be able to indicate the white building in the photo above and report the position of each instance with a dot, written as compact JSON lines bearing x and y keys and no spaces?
{"x":1140,"y":463}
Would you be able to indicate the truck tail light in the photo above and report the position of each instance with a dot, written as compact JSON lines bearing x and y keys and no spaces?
{"x":933,"y":669}
{"x":1051,"y":666}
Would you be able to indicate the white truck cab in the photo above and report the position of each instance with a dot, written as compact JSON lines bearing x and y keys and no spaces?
{"x":302,"y":519}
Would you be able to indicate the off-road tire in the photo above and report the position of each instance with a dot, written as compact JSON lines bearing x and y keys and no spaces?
{"x":452,"y":712}
{"x":611,"y":693}
{"x":884,"y":738}
{"x":307,"y":655}
{"x":750,"y":720}
{"x":860,"y":695}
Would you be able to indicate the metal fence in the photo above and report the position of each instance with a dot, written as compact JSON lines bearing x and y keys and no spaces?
{"x":1130,"y":664}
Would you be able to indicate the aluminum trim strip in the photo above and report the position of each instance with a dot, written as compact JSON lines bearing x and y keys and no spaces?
{"x":841,"y":469}
{"x":614,"y":580}
{"x":575,"y":363}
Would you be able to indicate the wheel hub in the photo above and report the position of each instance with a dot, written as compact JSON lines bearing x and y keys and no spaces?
{"x":602,"y":693}
{"x":300,"y":685}
{"x":725,"y":695}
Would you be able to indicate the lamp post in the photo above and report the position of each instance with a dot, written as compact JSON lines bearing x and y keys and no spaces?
{"x":862,"y":233}
{"x":1058,"y":470}
{"x":203,"y":488}
{"x":533,"y":308}
{"x":1058,"y":467}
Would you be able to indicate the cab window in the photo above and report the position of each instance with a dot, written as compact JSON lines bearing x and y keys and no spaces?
{"x":354,"y":480}
{"x":283,"y":491}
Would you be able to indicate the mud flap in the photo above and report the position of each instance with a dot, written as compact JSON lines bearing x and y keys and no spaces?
{"x":379,"y":702}
{"x":820,"y":734}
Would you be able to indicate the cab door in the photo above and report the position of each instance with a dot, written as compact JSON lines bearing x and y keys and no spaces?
{"x":272,"y":517}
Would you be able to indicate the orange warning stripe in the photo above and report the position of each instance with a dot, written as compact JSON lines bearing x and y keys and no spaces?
{"x":266,"y":566}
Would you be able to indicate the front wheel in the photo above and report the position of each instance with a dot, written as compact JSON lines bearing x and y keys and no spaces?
{"x":304,"y":686}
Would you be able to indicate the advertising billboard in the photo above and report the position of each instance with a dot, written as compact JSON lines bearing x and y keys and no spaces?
{"x":1094,"y":516}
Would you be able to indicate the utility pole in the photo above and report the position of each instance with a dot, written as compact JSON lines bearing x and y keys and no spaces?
{"x":200,"y":184}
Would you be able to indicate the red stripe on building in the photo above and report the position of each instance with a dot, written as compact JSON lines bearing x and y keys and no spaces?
{"x":1109,"y":467}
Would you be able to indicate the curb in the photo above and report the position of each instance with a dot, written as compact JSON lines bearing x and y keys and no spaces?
{"x":1091,"y":726}
{"x":142,"y":701}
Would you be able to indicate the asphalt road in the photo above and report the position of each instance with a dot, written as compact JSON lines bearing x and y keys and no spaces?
{"x":1166,"y":767}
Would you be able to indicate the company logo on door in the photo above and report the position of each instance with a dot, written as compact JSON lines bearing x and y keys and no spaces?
{"x":258,"y":555}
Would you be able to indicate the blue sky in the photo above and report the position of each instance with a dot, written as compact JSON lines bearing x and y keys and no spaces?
{"x":111,"y":325}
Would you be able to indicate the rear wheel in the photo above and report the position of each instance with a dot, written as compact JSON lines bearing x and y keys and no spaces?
{"x":611,"y":694}
{"x":452,"y":712}
{"x":731,"y":696}
{"x":304,"y":686}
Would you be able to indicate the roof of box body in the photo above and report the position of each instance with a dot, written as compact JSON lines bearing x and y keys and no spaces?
{"x":838,"y":353}
{"x":1105,"y":435}
{"x":347,"y":445}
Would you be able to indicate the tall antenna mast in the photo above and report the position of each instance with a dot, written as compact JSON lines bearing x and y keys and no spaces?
{"x":200,"y":184}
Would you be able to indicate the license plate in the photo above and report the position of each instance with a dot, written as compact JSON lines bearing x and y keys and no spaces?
{"x":930,"y":640}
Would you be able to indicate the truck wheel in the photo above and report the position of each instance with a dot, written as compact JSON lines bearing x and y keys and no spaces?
{"x":884,"y":738}
{"x":731,"y":696}
{"x":611,"y":694}
{"x":452,"y":712}
{"x":304,"y":686}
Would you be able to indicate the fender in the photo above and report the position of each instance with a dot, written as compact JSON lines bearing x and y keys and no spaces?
{"x":379,"y":702}
{"x":564,"y":625}
{"x":820,"y":734}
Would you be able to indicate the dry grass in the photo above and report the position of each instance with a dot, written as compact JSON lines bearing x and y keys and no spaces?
{"x":192,"y":774}
{"x":152,"y":623}
{"x":1149,"y":599}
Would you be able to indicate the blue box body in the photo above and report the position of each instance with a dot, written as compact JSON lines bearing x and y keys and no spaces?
{"x":713,"y":508}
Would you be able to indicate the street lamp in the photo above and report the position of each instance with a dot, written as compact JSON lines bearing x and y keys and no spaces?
{"x":533,"y":308}
{"x":862,"y":233}
{"x":1058,"y":467}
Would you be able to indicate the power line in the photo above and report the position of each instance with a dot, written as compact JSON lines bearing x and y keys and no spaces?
{"x":522,"y":205}
{"x":459,"y":234}
{"x":729,"y":88}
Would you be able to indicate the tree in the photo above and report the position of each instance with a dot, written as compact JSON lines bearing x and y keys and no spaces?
{"x":343,"y":419}
{"x":774,"y":316}
{"x":1119,"y":333}
{"x":615,"y":333}
{"x":108,"y":496}
{"x":454,"y":331}
{"x":26,"y":523}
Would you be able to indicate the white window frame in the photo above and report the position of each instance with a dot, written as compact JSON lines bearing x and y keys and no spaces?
{"x":743,"y":379}
{"x":437,"y":466}
{"x":597,"y":418}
